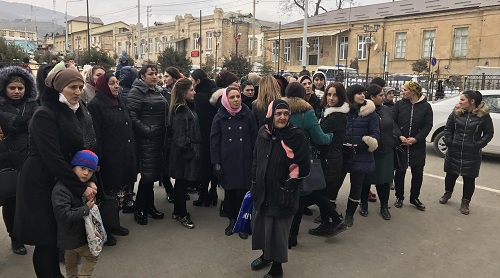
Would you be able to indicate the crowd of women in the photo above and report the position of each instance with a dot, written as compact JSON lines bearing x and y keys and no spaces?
{"x":259,"y":135}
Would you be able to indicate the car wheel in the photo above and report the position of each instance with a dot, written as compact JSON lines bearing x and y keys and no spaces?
{"x":439,"y":145}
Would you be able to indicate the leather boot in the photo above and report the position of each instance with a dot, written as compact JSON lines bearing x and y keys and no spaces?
{"x":141,"y":217}
{"x":384,"y":212}
{"x":464,"y":207}
{"x":230,"y":227}
{"x":351,"y":209}
{"x":292,"y":241}
{"x":363,"y":209}
{"x":155,"y":214}
{"x":446,"y":196}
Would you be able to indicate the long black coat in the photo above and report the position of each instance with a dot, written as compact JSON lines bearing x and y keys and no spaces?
{"x":185,"y":153}
{"x":115,"y":141}
{"x":465,"y":134}
{"x":231,"y":144}
{"x":56,"y":133}
{"x":147,"y":108}
{"x":387,"y":139}
{"x":413,"y":120}
{"x":206,"y":113}
{"x":334,"y":121}
{"x":15,"y":117}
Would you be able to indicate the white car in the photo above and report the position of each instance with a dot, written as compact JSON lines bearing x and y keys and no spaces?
{"x":443,"y":108}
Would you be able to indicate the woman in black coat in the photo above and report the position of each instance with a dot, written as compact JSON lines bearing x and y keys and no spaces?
{"x":413,"y":116}
{"x":147,"y":108}
{"x":17,"y":106}
{"x":203,"y":87}
{"x":115,"y":138}
{"x":61,"y":127}
{"x":232,"y":139}
{"x":384,"y":157}
{"x":469,"y":129}
{"x":185,"y":153}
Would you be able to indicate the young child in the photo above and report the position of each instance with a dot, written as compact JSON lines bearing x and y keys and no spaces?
{"x":69,"y":210}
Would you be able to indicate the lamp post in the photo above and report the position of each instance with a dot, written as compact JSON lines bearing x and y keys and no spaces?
{"x":129,"y":48}
{"x":67,"y":25}
{"x":369,"y":29}
{"x":236,"y":20}
{"x":216,"y":35}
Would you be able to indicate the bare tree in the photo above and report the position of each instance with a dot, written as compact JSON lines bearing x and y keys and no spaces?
{"x":288,"y":5}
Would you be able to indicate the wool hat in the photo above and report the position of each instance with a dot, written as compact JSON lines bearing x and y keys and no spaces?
{"x":225,"y":78}
{"x":62,"y":78}
{"x":413,"y":86}
{"x":304,"y":77}
{"x":319,"y":74}
{"x":85,"y":158}
{"x":354,"y":90}
{"x":282,"y":83}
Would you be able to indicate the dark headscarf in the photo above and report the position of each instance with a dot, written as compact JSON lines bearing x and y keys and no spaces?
{"x":101,"y":86}
{"x":225,"y":78}
{"x":282,"y":83}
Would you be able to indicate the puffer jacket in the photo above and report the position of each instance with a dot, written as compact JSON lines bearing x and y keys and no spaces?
{"x":334,"y":121}
{"x":127,"y":77}
{"x":315,"y":103}
{"x":413,"y":120}
{"x":15,"y":117}
{"x":363,"y":130}
{"x":465,"y":134}
{"x":147,"y":108}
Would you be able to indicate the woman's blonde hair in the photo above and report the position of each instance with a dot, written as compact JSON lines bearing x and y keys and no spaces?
{"x":268,"y":92}
{"x":177,"y":98}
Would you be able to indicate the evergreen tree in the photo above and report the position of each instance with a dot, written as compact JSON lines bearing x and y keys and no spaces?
{"x":173,"y":58}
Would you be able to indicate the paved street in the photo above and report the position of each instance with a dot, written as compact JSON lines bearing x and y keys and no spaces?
{"x":440,"y":242}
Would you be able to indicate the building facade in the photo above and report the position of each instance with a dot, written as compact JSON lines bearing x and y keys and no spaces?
{"x":458,"y":34}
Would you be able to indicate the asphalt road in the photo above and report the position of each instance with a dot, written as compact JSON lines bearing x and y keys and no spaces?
{"x":440,"y":242}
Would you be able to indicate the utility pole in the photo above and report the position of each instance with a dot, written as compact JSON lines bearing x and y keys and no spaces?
{"x":148,"y":9}
{"x":200,"y":41}
{"x":139,"y":54}
{"x":304,"y":35}
{"x":279,"y":47}
{"x":253,"y":36}
{"x":88,"y":31}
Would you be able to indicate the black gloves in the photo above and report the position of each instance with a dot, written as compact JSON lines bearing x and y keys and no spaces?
{"x":218,"y":171}
{"x":362,"y":147}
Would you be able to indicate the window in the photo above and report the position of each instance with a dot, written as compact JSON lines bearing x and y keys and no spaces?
{"x":460,"y":42}
{"x":150,"y":45}
{"x":143,"y":46}
{"x":164,"y":41}
{"x":119,"y":47}
{"x":314,"y":45}
{"x":252,"y":43}
{"x":299,"y":51}
{"x":429,"y":39}
{"x":173,"y":45}
{"x":209,"y":40}
{"x":287,"y":50}
{"x":344,"y":46}
{"x":362,"y":46}
{"x":400,"y":46}
{"x":275,"y":51}
{"x":158,"y":45}
{"x":196,"y":40}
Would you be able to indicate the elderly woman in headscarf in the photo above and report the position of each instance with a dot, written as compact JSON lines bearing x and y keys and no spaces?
{"x":282,"y":148}
{"x":90,"y":80}
{"x":61,"y":127}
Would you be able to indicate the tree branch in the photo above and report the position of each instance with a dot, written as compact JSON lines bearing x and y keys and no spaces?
{"x":299,"y":5}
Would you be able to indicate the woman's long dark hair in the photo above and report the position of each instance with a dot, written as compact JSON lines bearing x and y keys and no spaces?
{"x":178,"y":96}
{"x":339,"y":91}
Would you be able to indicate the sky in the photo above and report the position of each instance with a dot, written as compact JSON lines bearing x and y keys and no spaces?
{"x":126,"y":10}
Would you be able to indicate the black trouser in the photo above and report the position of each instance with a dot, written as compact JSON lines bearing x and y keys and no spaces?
{"x":333,"y":187}
{"x":382,"y":191}
{"x":46,"y":261}
{"x":232,"y":202}
{"x":167,"y":183}
{"x":145,"y":195}
{"x":180,"y":189}
{"x":417,"y":177}
{"x":297,"y":218}
{"x":8,"y":212}
{"x":469,"y":185}
{"x":203,"y":189}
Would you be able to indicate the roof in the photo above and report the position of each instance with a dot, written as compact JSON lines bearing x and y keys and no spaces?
{"x":82,"y":18}
{"x":391,"y":9}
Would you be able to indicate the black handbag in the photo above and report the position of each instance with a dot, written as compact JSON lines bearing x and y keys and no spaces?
{"x":348,"y":154}
{"x":400,"y":163}
{"x":316,"y":178}
{"x":8,"y":182}
{"x":108,"y":207}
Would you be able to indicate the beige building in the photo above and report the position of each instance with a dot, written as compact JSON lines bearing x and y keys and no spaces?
{"x":183,"y":34}
{"x":458,"y":34}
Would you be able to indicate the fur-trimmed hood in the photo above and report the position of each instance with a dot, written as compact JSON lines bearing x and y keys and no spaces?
{"x":215,"y":96}
{"x":480,"y":111}
{"x":342,"y":109}
{"x":367,"y":109}
{"x":297,"y":105}
{"x":30,"y":93}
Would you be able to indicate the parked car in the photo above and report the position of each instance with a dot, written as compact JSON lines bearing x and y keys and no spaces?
{"x":443,"y":108}
{"x":337,"y":74}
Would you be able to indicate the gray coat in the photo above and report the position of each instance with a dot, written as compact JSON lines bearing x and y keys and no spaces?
{"x":69,"y":211}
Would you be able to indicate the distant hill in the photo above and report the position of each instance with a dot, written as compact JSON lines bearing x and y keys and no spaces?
{"x":12,"y":16}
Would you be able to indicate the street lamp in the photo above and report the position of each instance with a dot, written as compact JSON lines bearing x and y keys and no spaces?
{"x":216,"y":35}
{"x":237,"y":36}
{"x":129,"y":36}
{"x":66,"y":17}
{"x":369,"y":29}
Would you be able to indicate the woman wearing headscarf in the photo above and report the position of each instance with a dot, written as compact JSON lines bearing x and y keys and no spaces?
{"x":384,"y":157}
{"x":61,"y":127}
{"x":281,"y":161}
{"x":311,"y":97}
{"x":232,"y":139}
{"x":319,"y":82}
{"x":413,"y":116}
{"x":362,"y":135}
{"x":147,"y":108}
{"x":90,"y":80}
{"x":17,"y":106}
{"x":469,"y":129}
{"x":116,"y":142}
{"x":268,"y":91}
